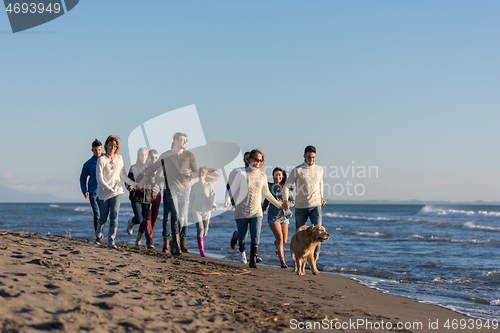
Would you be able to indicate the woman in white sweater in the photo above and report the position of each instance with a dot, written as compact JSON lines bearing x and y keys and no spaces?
{"x":109,"y":170}
{"x":251,"y":182}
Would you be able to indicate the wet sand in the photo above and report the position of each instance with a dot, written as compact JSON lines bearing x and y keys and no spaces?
{"x":60,"y":284}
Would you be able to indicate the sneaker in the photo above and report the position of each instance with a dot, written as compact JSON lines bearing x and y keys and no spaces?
{"x":259,"y":259}
{"x":113,"y":247}
{"x":130,"y":226}
{"x":137,"y":245}
{"x":150,"y":246}
{"x":243,"y":257}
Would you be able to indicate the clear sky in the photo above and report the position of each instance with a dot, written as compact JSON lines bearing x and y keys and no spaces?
{"x":410,"y":88}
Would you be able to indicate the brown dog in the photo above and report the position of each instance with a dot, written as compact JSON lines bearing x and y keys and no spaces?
{"x":302,"y":246}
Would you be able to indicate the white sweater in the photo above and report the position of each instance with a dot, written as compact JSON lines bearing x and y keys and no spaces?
{"x":251,"y":183}
{"x":108,"y":174}
{"x":309,"y":179}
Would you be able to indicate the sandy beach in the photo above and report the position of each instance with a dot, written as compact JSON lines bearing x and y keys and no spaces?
{"x":61,"y":284}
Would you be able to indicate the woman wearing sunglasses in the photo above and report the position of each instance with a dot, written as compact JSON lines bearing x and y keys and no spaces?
{"x":251,"y":183}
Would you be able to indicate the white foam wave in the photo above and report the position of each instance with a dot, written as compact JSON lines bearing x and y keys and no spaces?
{"x":441,"y":279}
{"x":495,"y":302}
{"x":471,"y":225}
{"x":83,"y":209}
{"x":373,"y":234}
{"x":493,"y":274}
{"x":435,"y":211}
{"x":452,"y":240}
{"x":364,"y":218}
{"x":54,"y":206}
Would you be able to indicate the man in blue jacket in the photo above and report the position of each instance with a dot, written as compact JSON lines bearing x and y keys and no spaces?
{"x":89,"y":189}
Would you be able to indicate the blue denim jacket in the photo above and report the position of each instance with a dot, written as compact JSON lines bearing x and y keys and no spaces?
{"x":277,"y":214}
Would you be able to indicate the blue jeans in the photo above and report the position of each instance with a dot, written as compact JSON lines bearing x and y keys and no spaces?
{"x":255,"y":226}
{"x":141,"y":212}
{"x":179,"y":222}
{"x":314,"y":214}
{"x":109,"y":208}
{"x":95,"y":208}
{"x":175,"y":204}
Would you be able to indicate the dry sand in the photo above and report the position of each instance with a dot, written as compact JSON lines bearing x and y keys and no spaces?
{"x":60,"y":284}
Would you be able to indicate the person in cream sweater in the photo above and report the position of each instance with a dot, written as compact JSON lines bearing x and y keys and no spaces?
{"x":309,"y":200}
{"x":250,"y":183}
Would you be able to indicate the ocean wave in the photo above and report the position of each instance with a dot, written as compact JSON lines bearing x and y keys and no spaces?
{"x":83,"y":209}
{"x":478,"y":300}
{"x":374,"y":234}
{"x":361,"y":218}
{"x":495,"y":302}
{"x":372,"y":271}
{"x":489,"y":241}
{"x":471,"y":225}
{"x":434,"y":211}
{"x":441,"y":279}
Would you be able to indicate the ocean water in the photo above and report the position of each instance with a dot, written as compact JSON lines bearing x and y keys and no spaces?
{"x":444,"y":255}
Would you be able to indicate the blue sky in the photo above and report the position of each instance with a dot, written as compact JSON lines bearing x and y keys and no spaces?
{"x":408,"y":87}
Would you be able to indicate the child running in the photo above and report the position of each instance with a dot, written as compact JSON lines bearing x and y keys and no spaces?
{"x":202,"y":202}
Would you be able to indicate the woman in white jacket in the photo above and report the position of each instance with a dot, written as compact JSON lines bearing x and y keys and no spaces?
{"x":109,"y":170}
{"x":251,"y":182}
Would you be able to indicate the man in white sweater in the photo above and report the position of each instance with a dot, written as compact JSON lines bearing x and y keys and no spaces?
{"x":309,"y":179}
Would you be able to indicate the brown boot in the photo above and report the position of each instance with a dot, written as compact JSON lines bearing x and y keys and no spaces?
{"x":184,"y":248}
{"x":166,"y":246}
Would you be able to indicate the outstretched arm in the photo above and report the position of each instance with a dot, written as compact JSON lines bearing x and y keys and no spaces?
{"x":286,"y":188}
{"x":269,"y":196}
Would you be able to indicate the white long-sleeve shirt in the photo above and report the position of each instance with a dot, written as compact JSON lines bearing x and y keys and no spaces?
{"x":108,"y":174}
{"x":309,"y":179}
{"x":251,"y":183}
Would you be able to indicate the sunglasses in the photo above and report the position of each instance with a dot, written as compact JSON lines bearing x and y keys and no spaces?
{"x":112,"y":167}
{"x":259,"y":160}
{"x":183,"y":140}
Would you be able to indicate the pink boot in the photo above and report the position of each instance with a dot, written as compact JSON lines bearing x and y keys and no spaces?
{"x":201,"y":246}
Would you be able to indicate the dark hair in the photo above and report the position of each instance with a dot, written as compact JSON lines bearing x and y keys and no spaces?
{"x":310,"y":149}
{"x":283,"y":172}
{"x":178,"y":135}
{"x":96,"y":143}
{"x":152,"y":151}
{"x":254,"y":153}
{"x":113,"y":138}
{"x":247,"y":152}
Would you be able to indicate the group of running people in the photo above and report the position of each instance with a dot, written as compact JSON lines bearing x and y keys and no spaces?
{"x":185,"y":202}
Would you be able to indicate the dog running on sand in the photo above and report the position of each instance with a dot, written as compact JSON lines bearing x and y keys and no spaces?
{"x":302,"y":246}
